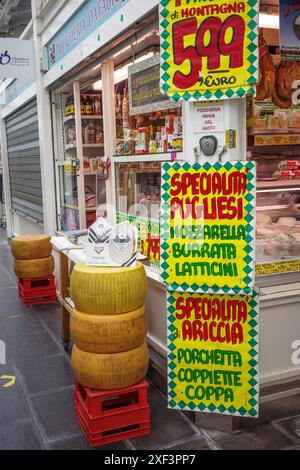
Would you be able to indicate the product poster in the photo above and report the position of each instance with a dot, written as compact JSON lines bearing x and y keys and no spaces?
{"x":290,"y":30}
{"x":213,"y":353}
{"x":208,"y":227}
{"x":149,"y":236}
{"x":209,"y":50}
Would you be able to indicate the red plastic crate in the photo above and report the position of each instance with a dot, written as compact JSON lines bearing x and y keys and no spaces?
{"x":114,"y":435}
{"x":116,"y":418}
{"x":37,"y":291}
{"x":115,"y":415}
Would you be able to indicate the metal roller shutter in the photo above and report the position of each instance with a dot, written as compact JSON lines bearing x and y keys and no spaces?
{"x":23,"y":150}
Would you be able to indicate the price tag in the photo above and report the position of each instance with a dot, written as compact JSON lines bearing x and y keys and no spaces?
{"x":209,"y":49}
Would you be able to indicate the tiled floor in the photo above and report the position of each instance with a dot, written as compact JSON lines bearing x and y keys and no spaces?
{"x":38,"y":411}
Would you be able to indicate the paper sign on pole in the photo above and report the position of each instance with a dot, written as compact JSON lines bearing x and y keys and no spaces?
{"x":209,"y":119}
{"x":16,"y":58}
{"x":209,"y":49}
{"x":213,"y":353}
{"x":208,"y":227}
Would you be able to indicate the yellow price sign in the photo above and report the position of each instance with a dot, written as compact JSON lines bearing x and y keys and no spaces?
{"x":213,"y":353}
{"x":209,"y":50}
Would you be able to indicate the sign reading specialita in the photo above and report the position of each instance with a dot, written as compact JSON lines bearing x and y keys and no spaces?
{"x":16,"y":58}
{"x":213,"y":353}
{"x":209,"y":49}
{"x":208,"y":227}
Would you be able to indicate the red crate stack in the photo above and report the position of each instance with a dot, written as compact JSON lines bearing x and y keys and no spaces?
{"x":111,"y":416}
{"x":37,"y":291}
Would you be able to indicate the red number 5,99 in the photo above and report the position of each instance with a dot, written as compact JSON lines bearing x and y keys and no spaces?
{"x":215,"y":30}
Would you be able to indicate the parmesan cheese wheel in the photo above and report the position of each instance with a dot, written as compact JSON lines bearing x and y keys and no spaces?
{"x":34,"y":268}
{"x":109,"y":334}
{"x":107,"y":291}
{"x":110,"y":371}
{"x":31,"y":246}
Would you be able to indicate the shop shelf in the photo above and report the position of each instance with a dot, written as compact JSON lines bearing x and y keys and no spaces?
{"x":287,"y":131}
{"x":69,"y":206}
{"x":278,"y":185}
{"x":90,"y":116}
{"x":151,"y":157}
{"x":85,"y":146}
{"x":90,"y":173}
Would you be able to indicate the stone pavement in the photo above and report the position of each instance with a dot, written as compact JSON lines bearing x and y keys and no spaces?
{"x":38,"y":411}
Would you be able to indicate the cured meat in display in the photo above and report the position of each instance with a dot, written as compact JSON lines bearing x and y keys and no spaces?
{"x":286,"y":74}
{"x":266,"y":71}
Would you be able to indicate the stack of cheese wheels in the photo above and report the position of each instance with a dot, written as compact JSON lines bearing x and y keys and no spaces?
{"x":109,"y":326}
{"x":33,"y":259}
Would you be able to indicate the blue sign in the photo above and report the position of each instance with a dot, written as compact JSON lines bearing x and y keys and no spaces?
{"x":90,"y":16}
{"x":290,"y":29}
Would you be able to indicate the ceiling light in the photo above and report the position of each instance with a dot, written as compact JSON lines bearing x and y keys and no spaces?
{"x":122,"y":73}
{"x":97,"y":86}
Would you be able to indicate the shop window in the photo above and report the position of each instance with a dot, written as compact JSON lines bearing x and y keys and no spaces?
{"x":148,"y":131}
{"x":138,"y":201}
{"x":274,"y":144}
{"x":81,"y":162}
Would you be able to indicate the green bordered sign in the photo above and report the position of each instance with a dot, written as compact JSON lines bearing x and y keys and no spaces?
{"x":209,"y":50}
{"x":213,"y":353}
{"x":208,"y":227}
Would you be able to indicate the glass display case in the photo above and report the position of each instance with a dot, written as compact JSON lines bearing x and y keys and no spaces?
{"x":274,"y":145}
{"x":138,"y":189}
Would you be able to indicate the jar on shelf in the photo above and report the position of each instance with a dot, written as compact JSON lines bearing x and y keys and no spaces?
{"x":141,"y":147}
{"x":88,"y":106}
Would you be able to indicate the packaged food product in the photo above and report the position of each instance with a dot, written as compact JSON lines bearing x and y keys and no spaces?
{"x":142,"y":141}
{"x":263,"y":219}
{"x":70,"y":107}
{"x":274,"y":249}
{"x":152,"y":146}
{"x":90,"y":134}
{"x":287,"y":174}
{"x":294,"y":119}
{"x":93,"y":164}
{"x":86,"y":164}
{"x":88,"y":105}
{"x":283,"y":120}
{"x":261,"y":123}
{"x":99,"y":136}
{"x":82,"y":105}
{"x":97,"y":106}
{"x":70,"y":133}
{"x":273,"y":122}
{"x":289,"y":164}
{"x":264,"y":233}
{"x":287,"y":221}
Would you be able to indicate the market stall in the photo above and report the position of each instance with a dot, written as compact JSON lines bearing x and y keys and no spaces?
{"x":112,"y":133}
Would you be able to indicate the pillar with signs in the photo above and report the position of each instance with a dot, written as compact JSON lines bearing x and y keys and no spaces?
{"x":209,"y":60}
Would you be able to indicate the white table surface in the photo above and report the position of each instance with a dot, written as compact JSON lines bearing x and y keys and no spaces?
{"x":73,"y":252}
